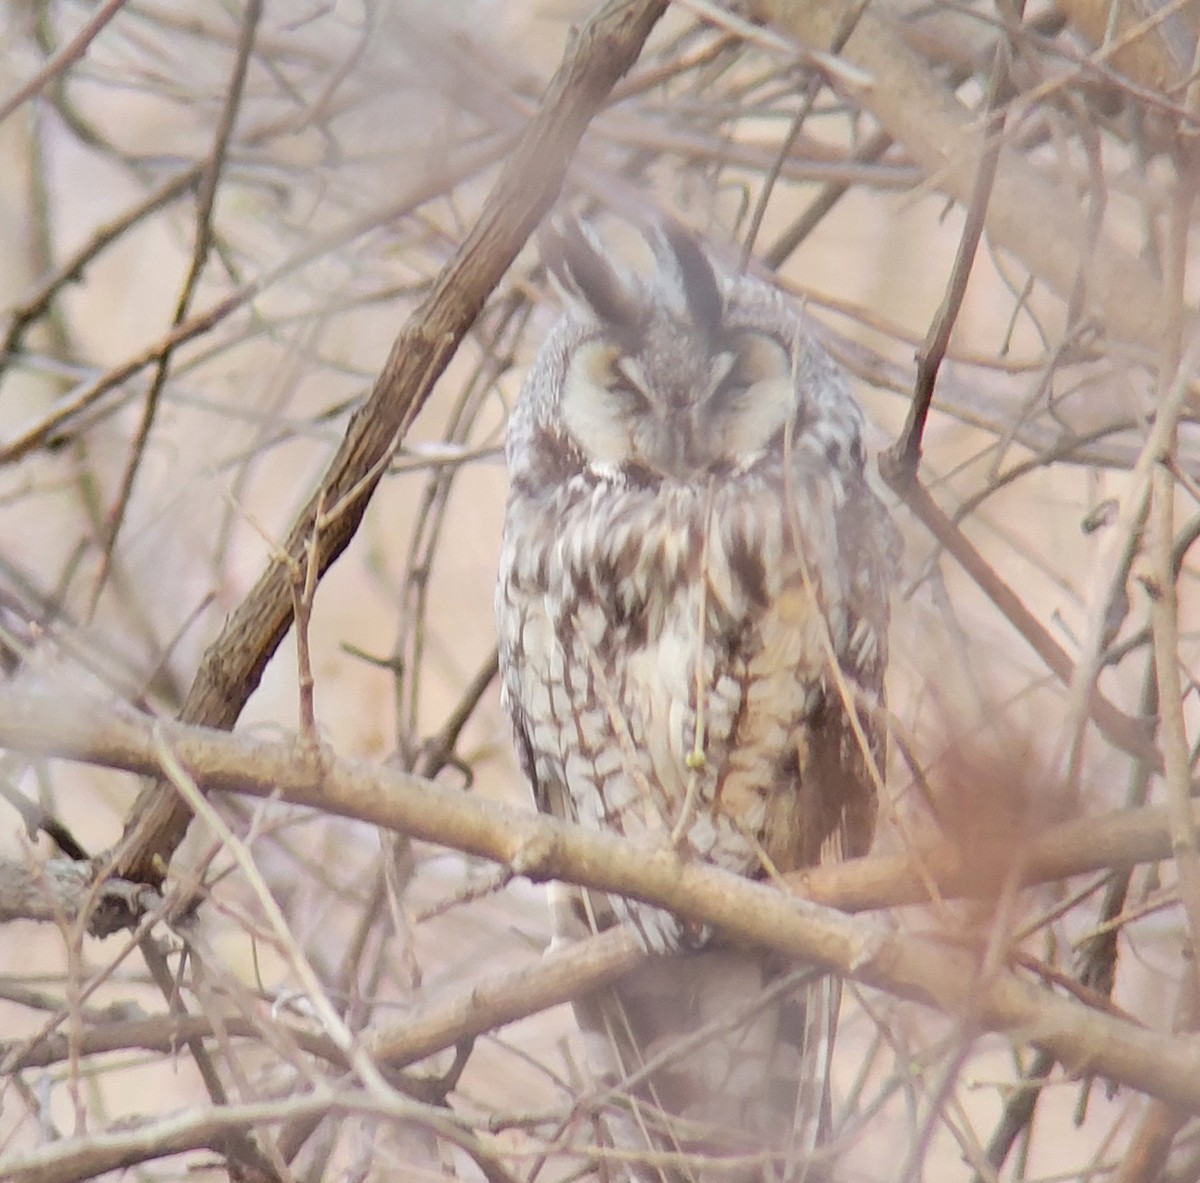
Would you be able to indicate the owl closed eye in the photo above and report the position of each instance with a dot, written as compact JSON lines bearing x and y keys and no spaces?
{"x":682,"y":388}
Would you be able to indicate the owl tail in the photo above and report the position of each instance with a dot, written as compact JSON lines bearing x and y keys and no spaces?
{"x":713,"y":1066}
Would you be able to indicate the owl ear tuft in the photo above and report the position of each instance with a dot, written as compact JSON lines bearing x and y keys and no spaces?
{"x":681,"y":256}
{"x":587,"y":277}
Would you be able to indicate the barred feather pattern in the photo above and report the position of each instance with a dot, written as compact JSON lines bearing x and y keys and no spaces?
{"x":692,"y":609}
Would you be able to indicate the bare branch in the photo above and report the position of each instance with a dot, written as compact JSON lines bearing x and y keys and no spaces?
{"x":540,"y":847}
{"x":1025,"y":214}
{"x":603,"y":50}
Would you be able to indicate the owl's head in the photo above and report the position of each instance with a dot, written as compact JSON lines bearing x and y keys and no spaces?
{"x":682,"y":375}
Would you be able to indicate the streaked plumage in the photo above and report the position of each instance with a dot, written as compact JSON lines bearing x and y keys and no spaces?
{"x":692,"y":609}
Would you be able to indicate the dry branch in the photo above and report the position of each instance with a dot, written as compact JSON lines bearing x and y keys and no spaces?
{"x":920,"y":968}
{"x":726,"y":119}
{"x":143,"y":1141}
{"x":233,"y":665}
{"x":1026,"y":214}
{"x":75,"y":49}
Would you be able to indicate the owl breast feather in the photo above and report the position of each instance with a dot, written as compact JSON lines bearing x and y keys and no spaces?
{"x":673,"y":647}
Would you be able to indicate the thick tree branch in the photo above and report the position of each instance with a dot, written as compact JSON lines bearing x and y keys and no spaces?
{"x":941,"y":974}
{"x":601,"y":52}
{"x":95,"y":1153}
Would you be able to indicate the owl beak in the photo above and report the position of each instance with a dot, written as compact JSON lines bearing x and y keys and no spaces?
{"x":683,"y":434}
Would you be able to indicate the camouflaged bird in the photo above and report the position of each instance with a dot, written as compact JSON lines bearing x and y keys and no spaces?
{"x":693,"y":606}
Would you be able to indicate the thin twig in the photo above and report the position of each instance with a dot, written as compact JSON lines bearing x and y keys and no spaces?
{"x":66,"y":57}
{"x":425,"y":189}
{"x":1129,"y":734}
{"x":811,"y":93}
{"x":1026,"y":214}
{"x":202,"y":242}
{"x":905,"y":454}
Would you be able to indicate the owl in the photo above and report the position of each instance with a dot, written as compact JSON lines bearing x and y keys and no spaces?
{"x":692,"y":606}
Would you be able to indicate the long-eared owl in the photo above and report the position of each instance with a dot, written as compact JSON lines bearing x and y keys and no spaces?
{"x":693,"y":611}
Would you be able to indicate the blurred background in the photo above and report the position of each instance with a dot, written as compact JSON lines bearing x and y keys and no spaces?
{"x":139,"y":502}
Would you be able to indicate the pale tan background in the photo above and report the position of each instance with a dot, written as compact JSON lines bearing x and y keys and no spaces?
{"x":251,"y":415}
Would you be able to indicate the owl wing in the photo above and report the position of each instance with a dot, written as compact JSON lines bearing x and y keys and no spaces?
{"x":848,"y":739}
{"x":532,"y":691}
